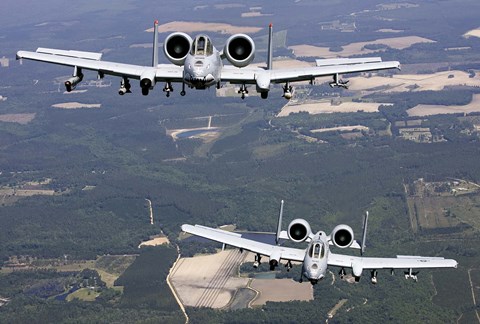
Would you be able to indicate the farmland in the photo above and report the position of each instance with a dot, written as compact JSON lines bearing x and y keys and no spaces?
{"x":357,"y":48}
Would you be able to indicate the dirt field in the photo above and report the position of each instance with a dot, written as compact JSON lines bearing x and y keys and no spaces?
{"x":155,"y":241}
{"x":212,"y":280}
{"x":208,"y":281}
{"x":358,"y":48}
{"x":192,"y":27}
{"x":34,"y":192}
{"x":17,"y":118}
{"x":281,"y":290}
{"x":388,"y":30}
{"x":427,"y":110}
{"x":206,"y":134}
{"x":290,"y":63}
{"x":75,"y":105}
{"x":327,"y":108}
{"x":420,"y":82}
{"x":340,"y":128}
{"x":254,"y":14}
{"x":472,"y":33}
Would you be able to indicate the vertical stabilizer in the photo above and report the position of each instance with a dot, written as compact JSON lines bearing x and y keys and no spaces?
{"x":155,"y":44}
{"x":270,"y":47}
{"x":279,"y":226}
{"x":364,"y":236}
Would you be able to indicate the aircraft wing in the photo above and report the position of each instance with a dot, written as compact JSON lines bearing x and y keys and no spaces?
{"x":92,"y":61}
{"x":329,"y":67}
{"x":400,"y":262}
{"x":236,"y":240}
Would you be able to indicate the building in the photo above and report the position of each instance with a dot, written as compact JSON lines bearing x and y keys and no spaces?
{"x":4,"y":62}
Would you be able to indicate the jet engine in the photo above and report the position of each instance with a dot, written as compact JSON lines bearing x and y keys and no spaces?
{"x":239,"y":50}
{"x":299,"y":230}
{"x":342,"y":236}
{"x":72,"y":82}
{"x":176,"y":47}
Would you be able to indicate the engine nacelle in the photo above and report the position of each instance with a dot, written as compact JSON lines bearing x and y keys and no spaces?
{"x":72,"y":82}
{"x":239,"y":50}
{"x":176,"y":47}
{"x":299,"y":230}
{"x":342,"y":236}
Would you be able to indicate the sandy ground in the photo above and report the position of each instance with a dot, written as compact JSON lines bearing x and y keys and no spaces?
{"x":327,"y":108}
{"x":155,"y":241}
{"x":191,"y":27}
{"x":209,"y":134}
{"x":281,"y":290}
{"x":17,"y":118}
{"x":75,"y":105}
{"x":35,"y":192}
{"x":427,"y":110}
{"x":472,"y":33}
{"x":388,"y":30}
{"x":291,"y":63}
{"x":254,"y":14}
{"x":357,"y":48}
{"x":209,"y":280}
{"x":340,"y":128}
{"x":422,"y":82}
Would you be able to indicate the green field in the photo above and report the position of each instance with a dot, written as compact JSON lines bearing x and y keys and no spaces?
{"x":84,"y":294}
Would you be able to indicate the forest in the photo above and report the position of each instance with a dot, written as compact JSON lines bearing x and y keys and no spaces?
{"x":103,"y":163}
{"x":241,"y":180}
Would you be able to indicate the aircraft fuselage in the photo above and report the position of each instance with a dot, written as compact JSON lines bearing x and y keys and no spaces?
{"x":203,"y":64}
{"x":315,"y":263}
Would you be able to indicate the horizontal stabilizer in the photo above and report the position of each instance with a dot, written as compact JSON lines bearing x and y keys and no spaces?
{"x":78,"y":54}
{"x":347,"y":61}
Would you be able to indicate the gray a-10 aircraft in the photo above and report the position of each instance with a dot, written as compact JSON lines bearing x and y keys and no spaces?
{"x":198,"y":64}
{"x":317,"y":256}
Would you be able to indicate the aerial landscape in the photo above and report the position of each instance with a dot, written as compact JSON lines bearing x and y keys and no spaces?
{"x":95,"y":186}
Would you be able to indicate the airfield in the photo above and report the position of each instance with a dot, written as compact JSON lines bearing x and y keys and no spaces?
{"x":213,"y":281}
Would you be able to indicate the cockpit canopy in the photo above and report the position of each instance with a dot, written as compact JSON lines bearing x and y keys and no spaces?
{"x":317,"y":251}
{"x":202,"y":45}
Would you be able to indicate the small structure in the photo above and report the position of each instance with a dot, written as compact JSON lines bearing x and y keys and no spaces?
{"x":4,"y":62}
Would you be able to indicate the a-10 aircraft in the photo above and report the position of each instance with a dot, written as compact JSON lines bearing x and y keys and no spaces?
{"x":198,"y":64}
{"x":317,"y":256}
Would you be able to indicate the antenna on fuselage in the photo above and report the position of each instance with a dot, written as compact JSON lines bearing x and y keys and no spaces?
{"x":279,"y":226}
{"x":155,"y":44}
{"x":364,"y":236}
{"x":270,"y":47}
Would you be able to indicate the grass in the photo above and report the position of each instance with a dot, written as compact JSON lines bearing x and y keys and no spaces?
{"x":84,"y":294}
